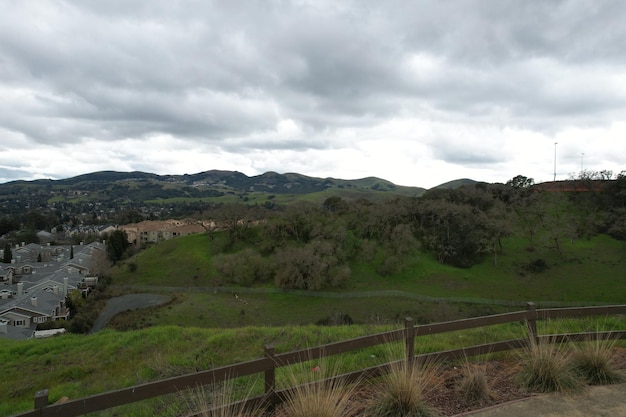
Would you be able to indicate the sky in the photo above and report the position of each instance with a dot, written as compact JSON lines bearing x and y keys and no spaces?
{"x":415,"y":92}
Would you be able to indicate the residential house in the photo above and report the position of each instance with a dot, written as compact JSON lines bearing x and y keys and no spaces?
{"x":36,"y":292}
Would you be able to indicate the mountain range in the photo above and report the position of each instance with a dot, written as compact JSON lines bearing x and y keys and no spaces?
{"x":141,"y":186}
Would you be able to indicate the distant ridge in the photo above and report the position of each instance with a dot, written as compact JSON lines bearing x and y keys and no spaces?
{"x":456,"y":183}
{"x":139,"y":186}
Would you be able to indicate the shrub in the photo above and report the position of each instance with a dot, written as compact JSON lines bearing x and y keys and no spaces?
{"x":473,"y":387}
{"x":402,"y":392}
{"x":546,"y":368}
{"x":246,"y":267}
{"x":316,"y":394}
{"x":594,"y":361}
{"x":220,"y":400}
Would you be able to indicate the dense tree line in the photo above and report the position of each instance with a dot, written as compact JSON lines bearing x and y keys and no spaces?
{"x":309,"y":246}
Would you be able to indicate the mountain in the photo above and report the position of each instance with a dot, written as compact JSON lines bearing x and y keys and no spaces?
{"x":455,"y":183}
{"x":145,"y":187}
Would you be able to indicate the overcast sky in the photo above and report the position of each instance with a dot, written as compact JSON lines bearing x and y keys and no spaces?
{"x":415,"y":92}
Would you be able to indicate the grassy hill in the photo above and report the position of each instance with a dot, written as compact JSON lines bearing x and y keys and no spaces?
{"x":208,"y":186}
{"x":202,"y":328}
{"x":589,"y":272}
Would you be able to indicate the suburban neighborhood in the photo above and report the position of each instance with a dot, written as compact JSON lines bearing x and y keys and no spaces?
{"x":34,"y":285}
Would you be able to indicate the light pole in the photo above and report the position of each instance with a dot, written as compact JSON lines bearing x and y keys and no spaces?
{"x":555,"y":143}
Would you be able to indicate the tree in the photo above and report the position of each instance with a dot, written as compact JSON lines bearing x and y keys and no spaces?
{"x":520,"y":181}
{"x":8,"y":255}
{"x":117,"y":245}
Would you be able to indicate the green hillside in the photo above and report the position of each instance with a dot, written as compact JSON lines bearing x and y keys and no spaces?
{"x":591,"y":273}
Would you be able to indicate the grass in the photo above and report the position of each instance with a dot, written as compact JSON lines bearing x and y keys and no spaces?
{"x":76,"y":366}
{"x":546,"y":368}
{"x":594,"y":361}
{"x":585,"y":274}
{"x":220,"y":400}
{"x":317,"y":392}
{"x":211,"y":309}
{"x":473,"y":387}
{"x":403,"y":391}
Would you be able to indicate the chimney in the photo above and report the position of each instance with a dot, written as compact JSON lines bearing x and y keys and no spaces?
{"x":65,"y":279}
{"x":55,"y":289}
{"x":33,"y":301}
{"x":20,"y":289}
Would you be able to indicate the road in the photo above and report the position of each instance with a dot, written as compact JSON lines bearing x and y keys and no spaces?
{"x":126,"y":302}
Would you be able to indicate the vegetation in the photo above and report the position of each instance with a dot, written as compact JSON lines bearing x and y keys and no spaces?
{"x":403,"y":391}
{"x":474,"y":387}
{"x":317,"y":393}
{"x":319,"y":259}
{"x":594,"y":361}
{"x":546,"y":368}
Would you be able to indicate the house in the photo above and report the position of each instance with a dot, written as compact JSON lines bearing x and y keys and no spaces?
{"x":36,"y":292}
{"x":45,"y":237}
{"x":106,"y":230}
{"x":156,"y":231}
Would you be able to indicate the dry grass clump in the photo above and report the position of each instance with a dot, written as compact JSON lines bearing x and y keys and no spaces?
{"x":546,"y":368}
{"x":317,"y":392}
{"x":473,"y":388}
{"x":219,"y":400}
{"x":595,"y":362}
{"x":402,"y":392}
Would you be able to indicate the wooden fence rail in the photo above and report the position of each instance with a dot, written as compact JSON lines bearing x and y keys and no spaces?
{"x":271,"y":360}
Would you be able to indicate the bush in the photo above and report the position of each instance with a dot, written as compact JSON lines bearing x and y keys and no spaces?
{"x":317,"y":394}
{"x":473,"y":387}
{"x":402,"y":392}
{"x":246,"y":267}
{"x":219,"y":400}
{"x":594,"y":361}
{"x":536,"y":266}
{"x":546,"y":368}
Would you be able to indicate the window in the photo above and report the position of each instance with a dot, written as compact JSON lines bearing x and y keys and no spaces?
{"x":18,"y":322}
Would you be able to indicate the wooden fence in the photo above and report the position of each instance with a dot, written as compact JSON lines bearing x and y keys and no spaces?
{"x":272,"y":360}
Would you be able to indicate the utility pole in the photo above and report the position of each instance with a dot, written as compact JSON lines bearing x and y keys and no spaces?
{"x":555,"y":143}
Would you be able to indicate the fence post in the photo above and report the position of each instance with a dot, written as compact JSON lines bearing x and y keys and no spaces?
{"x":409,"y":340}
{"x":531,"y":322}
{"x":41,"y":399}
{"x":270,"y":380}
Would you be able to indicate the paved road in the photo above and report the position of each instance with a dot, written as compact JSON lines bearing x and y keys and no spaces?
{"x":126,"y":302}
{"x":598,"y":401}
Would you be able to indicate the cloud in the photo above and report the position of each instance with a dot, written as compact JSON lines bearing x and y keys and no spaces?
{"x":348,"y":88}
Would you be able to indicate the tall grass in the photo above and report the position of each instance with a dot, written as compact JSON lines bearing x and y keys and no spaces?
{"x":595,"y":361}
{"x":317,"y":392}
{"x":474,"y":388}
{"x":220,"y":400}
{"x":403,"y":391}
{"x":546,"y":368}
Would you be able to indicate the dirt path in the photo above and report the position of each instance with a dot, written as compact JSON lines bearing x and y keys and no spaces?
{"x":126,"y":302}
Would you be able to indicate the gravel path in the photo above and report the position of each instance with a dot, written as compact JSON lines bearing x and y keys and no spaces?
{"x":126,"y":302}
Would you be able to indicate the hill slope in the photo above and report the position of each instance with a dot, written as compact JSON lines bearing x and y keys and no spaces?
{"x":141,"y":186}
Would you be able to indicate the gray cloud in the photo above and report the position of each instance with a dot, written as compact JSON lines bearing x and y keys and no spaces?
{"x":230,"y":73}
